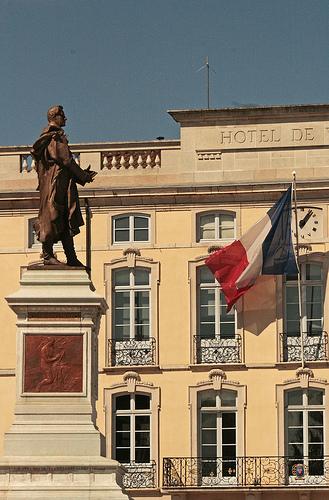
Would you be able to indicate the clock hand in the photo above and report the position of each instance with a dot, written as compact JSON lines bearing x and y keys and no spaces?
{"x":303,"y":222}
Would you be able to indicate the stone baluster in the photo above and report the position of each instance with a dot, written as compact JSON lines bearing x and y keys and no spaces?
{"x":123,"y":161}
{"x":105,"y":162}
{"x":114,"y":161}
{"x":157,"y":161}
{"x":140,"y":161}
{"x":148,"y":161}
{"x":33,"y":165}
{"x":131,"y":161}
{"x":25,"y":165}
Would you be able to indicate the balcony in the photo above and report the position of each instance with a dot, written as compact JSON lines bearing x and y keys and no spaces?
{"x":315,"y":347}
{"x":132,"y":352}
{"x":217,"y":350}
{"x":260,"y":472}
{"x":140,"y":476}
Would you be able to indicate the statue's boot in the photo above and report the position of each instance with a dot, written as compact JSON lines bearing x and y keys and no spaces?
{"x":49,"y":258}
{"x":71,"y":256}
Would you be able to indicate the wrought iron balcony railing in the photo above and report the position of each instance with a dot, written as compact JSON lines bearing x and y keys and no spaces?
{"x":217,"y":349}
{"x":315,"y":347}
{"x":140,"y":475}
{"x":196,"y":472}
{"x":132,"y":352}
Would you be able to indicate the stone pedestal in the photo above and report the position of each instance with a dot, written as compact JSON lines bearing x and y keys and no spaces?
{"x":52,"y":450}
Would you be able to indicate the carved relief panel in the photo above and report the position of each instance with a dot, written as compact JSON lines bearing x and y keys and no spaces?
{"x":53,"y":363}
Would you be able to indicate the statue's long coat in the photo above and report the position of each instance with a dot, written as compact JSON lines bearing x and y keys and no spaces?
{"x":58,"y":173}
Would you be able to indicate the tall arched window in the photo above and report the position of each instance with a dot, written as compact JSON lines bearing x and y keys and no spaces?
{"x":312,"y":292}
{"x":304,"y":430}
{"x":218,"y":434}
{"x":132,"y":428}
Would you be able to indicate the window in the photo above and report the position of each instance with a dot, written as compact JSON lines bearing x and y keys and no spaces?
{"x":216,"y":340}
{"x":213,"y":319}
{"x":32,"y":237}
{"x":312,"y":300}
{"x":131,"y":302}
{"x":216,"y":226}
{"x":304,"y":417}
{"x":218,"y":434}
{"x":132,"y":428}
{"x":131,"y":228}
{"x":314,"y":338}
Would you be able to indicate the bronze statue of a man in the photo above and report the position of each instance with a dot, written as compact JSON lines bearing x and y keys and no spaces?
{"x":59,"y":216}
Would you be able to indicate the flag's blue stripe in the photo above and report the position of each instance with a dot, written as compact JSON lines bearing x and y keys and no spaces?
{"x":278,"y":252}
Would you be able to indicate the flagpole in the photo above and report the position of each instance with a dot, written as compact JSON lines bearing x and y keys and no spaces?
{"x":294,"y":190}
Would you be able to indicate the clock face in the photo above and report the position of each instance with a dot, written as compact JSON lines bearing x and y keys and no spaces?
{"x":310,"y":223}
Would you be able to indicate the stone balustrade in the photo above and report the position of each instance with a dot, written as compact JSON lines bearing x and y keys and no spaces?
{"x":131,"y":159}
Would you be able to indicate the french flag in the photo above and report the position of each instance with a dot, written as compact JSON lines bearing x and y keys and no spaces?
{"x":266,"y":248}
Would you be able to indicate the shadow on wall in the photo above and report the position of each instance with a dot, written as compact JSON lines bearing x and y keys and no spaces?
{"x":260,"y":305}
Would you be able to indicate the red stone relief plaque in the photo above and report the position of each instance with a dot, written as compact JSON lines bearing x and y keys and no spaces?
{"x":53,"y":363}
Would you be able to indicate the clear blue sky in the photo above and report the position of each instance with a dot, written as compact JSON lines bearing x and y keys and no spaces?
{"x":117,"y":66}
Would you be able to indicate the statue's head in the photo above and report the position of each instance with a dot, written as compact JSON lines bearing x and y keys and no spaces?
{"x":56,"y":116}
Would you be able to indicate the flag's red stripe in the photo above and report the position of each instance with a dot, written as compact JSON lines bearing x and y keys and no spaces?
{"x":227,"y":264}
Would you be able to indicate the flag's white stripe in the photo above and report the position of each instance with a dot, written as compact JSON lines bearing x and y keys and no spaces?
{"x":252,"y":241}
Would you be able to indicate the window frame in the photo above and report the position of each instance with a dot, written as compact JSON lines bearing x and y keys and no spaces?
{"x":216,"y":213}
{"x":155,"y":405}
{"x":131,"y":227}
{"x":300,"y":383}
{"x":154,"y":269}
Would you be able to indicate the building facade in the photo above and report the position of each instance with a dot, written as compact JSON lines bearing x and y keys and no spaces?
{"x":196,"y":403}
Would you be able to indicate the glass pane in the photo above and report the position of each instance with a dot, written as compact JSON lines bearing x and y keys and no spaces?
{"x":123,"y":455}
{"x":205,"y":275}
{"x":208,"y":420}
{"x":122,"y":439}
{"x":209,"y":436}
{"x":123,"y":402}
{"x":313,"y":271}
{"x":227,"y":330}
{"x":121,"y":235}
{"x":314,"y":293}
{"x":121,"y":316}
{"x":292,"y":328}
{"x":226,"y":226}
{"x":122,"y":277}
{"x":142,"y":423}
{"x":315,"y":418}
{"x":314,"y":327}
{"x":292,"y":294}
{"x":292,"y":311}
{"x":122,"y":423}
{"x":209,"y":451}
{"x":315,"y":467}
{"x":142,"y":277}
{"x":121,"y":222}
{"x":315,"y":451}
{"x":228,"y":436}
{"x":141,"y":235}
{"x":295,"y":450}
{"x":207,"y":314}
{"x":208,"y":398}
{"x":295,"y":397}
{"x":207,"y":297}
{"x":207,"y":330}
{"x":228,"y":420}
{"x":207,"y":227}
{"x":228,"y":398}
{"x":142,"y":402}
{"x":122,"y":299}
{"x":141,"y":222}
{"x":142,"y":299}
{"x":142,"y":455}
{"x":315,"y":435}
{"x":121,"y":332}
{"x":209,"y":469}
{"x":295,"y":435}
{"x":228,"y":452}
{"x":314,"y":310}
{"x":315,"y":397}
{"x":295,"y":418}
{"x":142,"y":438}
